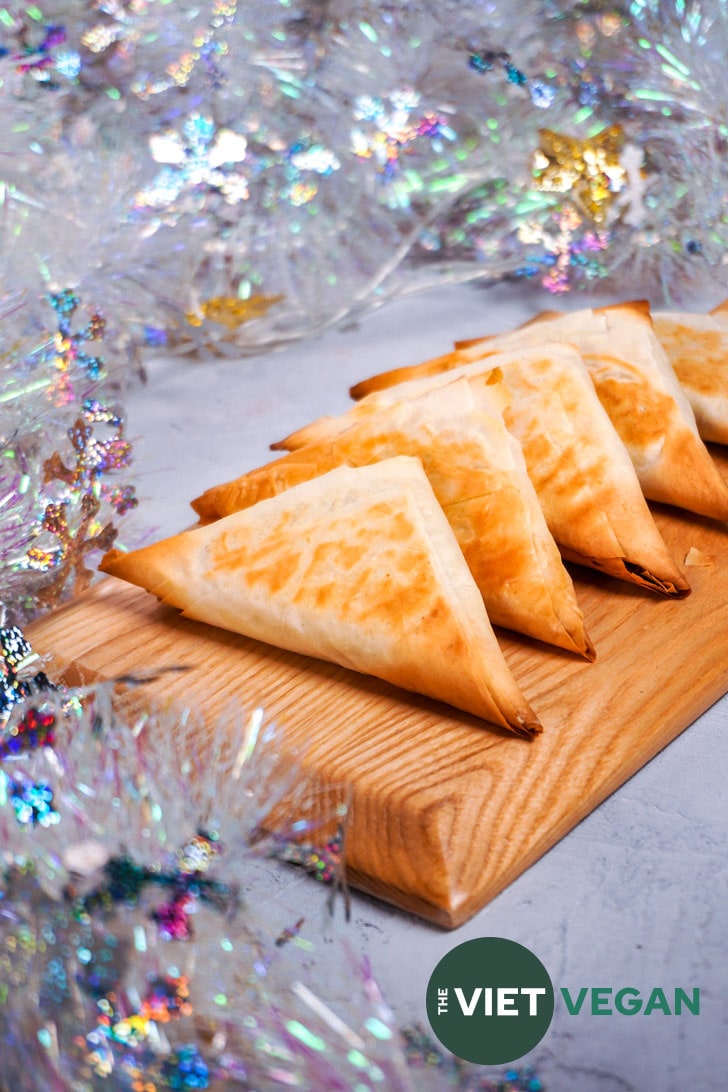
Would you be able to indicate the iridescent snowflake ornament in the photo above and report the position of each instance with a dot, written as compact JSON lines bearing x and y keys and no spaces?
{"x":196,"y":161}
{"x":60,"y":450}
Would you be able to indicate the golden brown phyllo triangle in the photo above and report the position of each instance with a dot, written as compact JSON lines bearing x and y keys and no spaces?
{"x":582,"y":473}
{"x":479,"y":476}
{"x":359,"y":567}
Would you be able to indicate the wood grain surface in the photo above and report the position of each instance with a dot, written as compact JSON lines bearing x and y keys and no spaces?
{"x":445,"y":810}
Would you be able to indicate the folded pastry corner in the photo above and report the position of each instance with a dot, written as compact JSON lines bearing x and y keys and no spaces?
{"x":637,"y":309}
{"x":309,"y":434}
{"x":359,"y":567}
{"x":435,"y":366}
{"x":720,"y":313}
{"x":479,"y":476}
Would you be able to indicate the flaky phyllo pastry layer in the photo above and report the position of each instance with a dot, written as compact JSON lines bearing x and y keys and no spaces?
{"x":479,"y":476}
{"x":359,"y":567}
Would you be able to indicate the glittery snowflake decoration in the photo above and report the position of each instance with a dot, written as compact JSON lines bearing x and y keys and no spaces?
{"x":565,"y":242}
{"x":590,"y":170}
{"x":63,"y":450}
{"x":389,"y":127}
{"x":199,"y":159}
{"x":33,"y":803}
{"x":66,"y":351}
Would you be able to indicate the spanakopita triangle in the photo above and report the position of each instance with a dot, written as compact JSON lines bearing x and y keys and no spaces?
{"x":585,"y":481}
{"x":359,"y":567}
{"x":479,"y":476}
{"x":640,"y":391}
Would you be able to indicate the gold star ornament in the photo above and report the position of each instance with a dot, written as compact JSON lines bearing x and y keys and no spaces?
{"x":590,"y":171}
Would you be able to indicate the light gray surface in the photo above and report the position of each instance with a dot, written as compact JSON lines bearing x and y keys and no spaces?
{"x":637,"y":895}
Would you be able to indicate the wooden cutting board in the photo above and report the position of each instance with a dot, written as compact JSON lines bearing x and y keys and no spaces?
{"x":446,"y":811}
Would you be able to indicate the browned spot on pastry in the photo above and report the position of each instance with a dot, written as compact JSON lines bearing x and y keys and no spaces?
{"x":638,"y":412}
{"x":701,"y":370}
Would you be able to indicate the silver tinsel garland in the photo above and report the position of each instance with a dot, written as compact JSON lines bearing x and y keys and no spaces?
{"x":234,"y":176}
{"x":250,"y":173}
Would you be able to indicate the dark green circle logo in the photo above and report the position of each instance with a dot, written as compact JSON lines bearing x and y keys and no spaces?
{"x":490,"y":1001}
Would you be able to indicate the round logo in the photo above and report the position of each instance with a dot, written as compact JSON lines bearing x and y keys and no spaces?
{"x":490,"y":1001}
